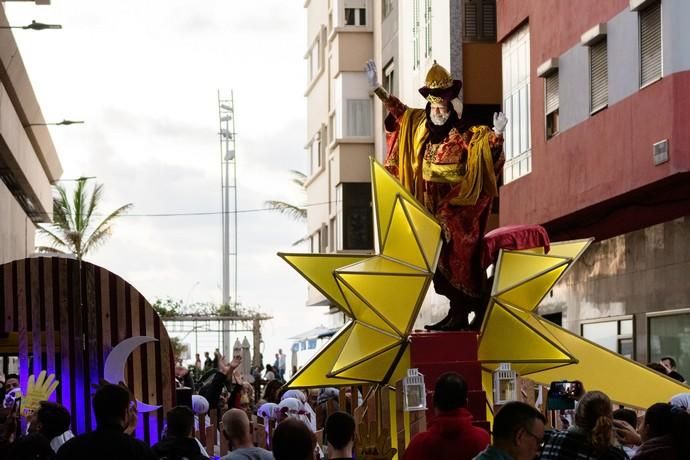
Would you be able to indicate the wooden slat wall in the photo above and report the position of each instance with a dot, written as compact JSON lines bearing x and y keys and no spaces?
{"x":68,"y":317}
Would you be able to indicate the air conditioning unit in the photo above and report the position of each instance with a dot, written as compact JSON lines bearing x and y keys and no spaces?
{"x":660,"y":152}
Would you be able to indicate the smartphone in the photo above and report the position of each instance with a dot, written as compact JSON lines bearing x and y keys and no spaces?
{"x":562,"y":395}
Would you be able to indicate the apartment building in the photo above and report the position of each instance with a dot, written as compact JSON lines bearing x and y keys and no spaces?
{"x":598,"y":146}
{"x":28,"y":161}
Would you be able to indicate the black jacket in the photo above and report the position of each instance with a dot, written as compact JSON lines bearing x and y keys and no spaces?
{"x":106,"y":443}
{"x":172,"y":448}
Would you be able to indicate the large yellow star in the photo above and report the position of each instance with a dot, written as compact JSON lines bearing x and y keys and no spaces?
{"x":382,"y":293}
{"x":544,"y":352}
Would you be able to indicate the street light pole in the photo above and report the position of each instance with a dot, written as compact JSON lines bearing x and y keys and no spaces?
{"x":227,"y":136}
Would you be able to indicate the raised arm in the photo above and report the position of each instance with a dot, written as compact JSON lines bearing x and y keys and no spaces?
{"x":392,"y":103}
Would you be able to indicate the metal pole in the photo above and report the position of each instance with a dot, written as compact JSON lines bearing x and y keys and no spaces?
{"x":234,"y":184}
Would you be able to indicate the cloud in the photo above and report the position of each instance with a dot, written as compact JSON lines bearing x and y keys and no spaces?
{"x":145,"y":75}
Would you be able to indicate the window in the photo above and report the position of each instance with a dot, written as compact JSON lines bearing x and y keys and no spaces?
{"x":479,"y":20}
{"x":387,"y":7}
{"x":389,"y":77}
{"x":598,"y":76}
{"x":355,"y":16}
{"x":358,"y":121}
{"x":415,"y":34}
{"x":516,"y":75}
{"x":314,"y":58}
{"x":669,"y":335}
{"x":551,"y":104}
{"x":427,"y":28}
{"x":616,"y":335}
{"x":333,"y":233}
{"x":354,"y":216}
{"x":315,"y":243}
{"x":650,"y":43}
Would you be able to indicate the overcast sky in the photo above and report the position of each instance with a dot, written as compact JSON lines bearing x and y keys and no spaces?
{"x":144,"y":75}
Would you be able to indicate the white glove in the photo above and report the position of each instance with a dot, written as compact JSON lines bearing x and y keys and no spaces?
{"x":500,"y":122}
{"x":370,"y":68}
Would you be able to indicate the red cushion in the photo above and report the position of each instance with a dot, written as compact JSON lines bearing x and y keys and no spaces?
{"x":513,"y":237}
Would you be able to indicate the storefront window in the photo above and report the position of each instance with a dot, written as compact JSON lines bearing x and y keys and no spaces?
{"x":669,"y":335}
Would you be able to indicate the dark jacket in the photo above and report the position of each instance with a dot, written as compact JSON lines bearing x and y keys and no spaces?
{"x":172,"y":448}
{"x":657,"y":448}
{"x":107,"y":442}
{"x":451,"y":436}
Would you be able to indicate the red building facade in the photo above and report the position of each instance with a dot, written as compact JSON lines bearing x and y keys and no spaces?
{"x":598,"y":94}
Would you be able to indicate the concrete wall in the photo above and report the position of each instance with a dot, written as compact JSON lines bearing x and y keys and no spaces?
{"x":16,"y":230}
{"x":28,"y":159}
{"x":636,"y":273}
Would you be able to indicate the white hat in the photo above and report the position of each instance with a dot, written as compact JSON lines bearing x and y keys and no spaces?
{"x":199,"y":404}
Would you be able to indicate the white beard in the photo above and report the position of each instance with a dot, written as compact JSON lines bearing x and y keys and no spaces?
{"x":439,"y":120}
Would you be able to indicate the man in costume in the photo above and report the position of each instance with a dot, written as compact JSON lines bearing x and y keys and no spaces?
{"x":453,"y":172}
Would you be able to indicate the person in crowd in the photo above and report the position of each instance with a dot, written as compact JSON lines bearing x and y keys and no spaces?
{"x":658,"y":367}
{"x":293,"y":440}
{"x":183,"y":378}
{"x":326,"y":403}
{"x":271,"y":392}
{"x":670,"y":364}
{"x":113,"y":409}
{"x":179,"y":441}
{"x":11,"y":382}
{"x":292,"y":408}
{"x":197,"y":362}
{"x":624,"y":423}
{"x":518,"y":433}
{"x":48,"y":430}
{"x":216,"y":359}
{"x":281,"y":364}
{"x":224,"y":377}
{"x":591,"y":436}
{"x":340,"y":435}
{"x":208,"y":362}
{"x":309,"y":414}
{"x":452,"y":426}
{"x":269,"y":375}
{"x":236,"y":431}
{"x":9,"y":426}
{"x":665,"y":433}
{"x":682,"y":401}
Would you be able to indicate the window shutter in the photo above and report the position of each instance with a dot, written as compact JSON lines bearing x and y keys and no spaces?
{"x":598,"y":76}
{"x":470,"y":20}
{"x":650,"y":43}
{"x":488,"y":21}
{"x":551,"y":93}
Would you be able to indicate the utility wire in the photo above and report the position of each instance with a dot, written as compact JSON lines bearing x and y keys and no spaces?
{"x":204,"y":213}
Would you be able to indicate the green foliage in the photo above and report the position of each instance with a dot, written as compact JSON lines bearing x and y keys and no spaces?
{"x":170,"y":307}
{"x":74,"y":228}
{"x":179,"y":348}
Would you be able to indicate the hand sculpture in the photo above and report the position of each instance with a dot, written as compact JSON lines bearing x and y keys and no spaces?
{"x":38,"y":390}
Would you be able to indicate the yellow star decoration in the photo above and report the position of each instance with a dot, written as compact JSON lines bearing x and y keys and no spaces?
{"x":544,"y":352}
{"x":382,"y":293}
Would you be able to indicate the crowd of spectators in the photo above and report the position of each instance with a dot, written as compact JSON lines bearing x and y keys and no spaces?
{"x":595,"y":429}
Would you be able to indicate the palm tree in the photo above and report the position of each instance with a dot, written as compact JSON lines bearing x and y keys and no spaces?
{"x":73,"y":228}
{"x":289,"y":209}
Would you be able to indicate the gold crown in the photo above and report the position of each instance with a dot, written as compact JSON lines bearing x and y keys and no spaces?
{"x":435,"y":99}
{"x":438,"y":78}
